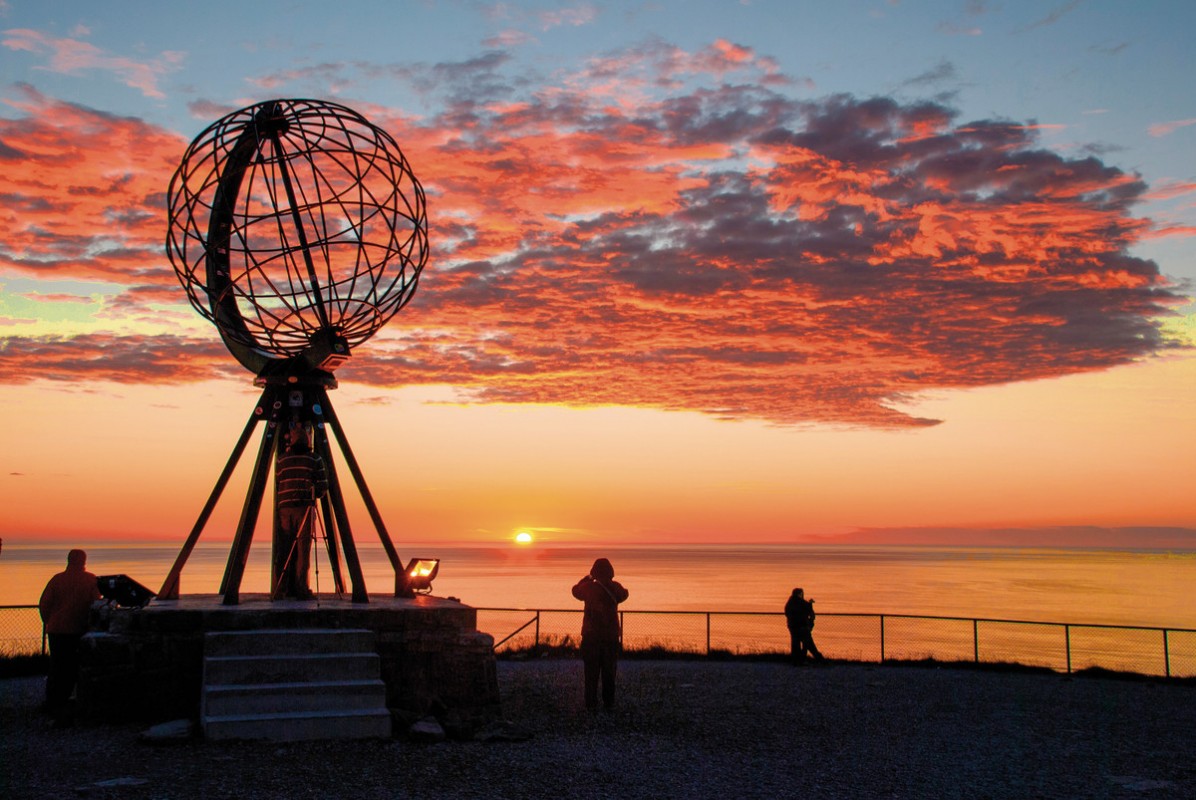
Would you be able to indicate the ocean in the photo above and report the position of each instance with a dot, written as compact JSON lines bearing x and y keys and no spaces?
{"x":1082,"y":586}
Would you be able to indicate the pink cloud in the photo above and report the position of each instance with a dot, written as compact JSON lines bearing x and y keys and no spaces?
{"x":1167,"y":231}
{"x":721,"y":247}
{"x":56,"y":298}
{"x":508,"y":38}
{"x":574,"y":17}
{"x":1161,"y":129}
{"x":1168,"y":190}
{"x":74,"y":57}
{"x":84,"y":192}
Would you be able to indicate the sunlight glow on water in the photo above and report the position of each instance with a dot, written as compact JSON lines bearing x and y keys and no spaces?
{"x":1073,"y":585}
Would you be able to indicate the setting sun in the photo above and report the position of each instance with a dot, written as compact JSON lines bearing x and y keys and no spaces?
{"x":523,"y":537}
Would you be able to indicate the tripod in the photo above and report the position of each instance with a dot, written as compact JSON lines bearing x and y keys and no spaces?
{"x":309,"y":530}
{"x":305,"y":396}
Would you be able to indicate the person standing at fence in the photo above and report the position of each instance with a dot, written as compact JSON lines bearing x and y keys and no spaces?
{"x":799,"y":616}
{"x":601,"y":634}
{"x":65,"y":606}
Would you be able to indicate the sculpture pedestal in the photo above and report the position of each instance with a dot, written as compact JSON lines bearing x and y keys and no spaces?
{"x":147,"y":663}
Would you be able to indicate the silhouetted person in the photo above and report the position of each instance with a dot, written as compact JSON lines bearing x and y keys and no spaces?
{"x":299,"y":480}
{"x":799,"y":616}
{"x":601,"y":636}
{"x":65,"y":606}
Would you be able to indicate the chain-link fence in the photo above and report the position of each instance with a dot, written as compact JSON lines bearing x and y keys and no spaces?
{"x":21,"y":632}
{"x":1059,"y":646}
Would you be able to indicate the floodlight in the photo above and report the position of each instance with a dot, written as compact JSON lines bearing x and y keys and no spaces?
{"x":420,"y":574}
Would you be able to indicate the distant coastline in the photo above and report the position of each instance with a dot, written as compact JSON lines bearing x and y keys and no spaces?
{"x":1063,"y":536}
{"x":1155,"y":538}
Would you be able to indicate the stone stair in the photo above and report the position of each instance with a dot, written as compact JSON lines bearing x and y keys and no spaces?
{"x":293,"y":685}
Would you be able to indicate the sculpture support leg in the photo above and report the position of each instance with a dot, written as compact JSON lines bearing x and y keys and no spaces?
{"x":330,"y":539}
{"x":371,"y":506}
{"x":230,"y":587}
{"x":337,"y":501}
{"x":170,"y":586}
{"x":277,"y":399}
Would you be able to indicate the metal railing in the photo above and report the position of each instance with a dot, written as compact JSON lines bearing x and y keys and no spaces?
{"x":1061,"y":646}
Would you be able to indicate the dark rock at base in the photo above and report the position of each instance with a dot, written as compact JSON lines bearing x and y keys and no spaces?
{"x":503,"y":731}
{"x":175,"y":732}
{"x":427,"y":731}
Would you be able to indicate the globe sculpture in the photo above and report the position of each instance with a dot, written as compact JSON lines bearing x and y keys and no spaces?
{"x":298,"y":229}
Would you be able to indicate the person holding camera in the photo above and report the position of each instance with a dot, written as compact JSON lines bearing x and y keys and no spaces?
{"x":601,"y":634}
{"x":799,"y":617}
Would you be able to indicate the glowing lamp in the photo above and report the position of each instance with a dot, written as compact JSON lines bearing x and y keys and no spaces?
{"x":421,"y":572}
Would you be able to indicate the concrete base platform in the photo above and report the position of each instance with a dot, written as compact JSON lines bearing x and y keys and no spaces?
{"x":147,"y":663}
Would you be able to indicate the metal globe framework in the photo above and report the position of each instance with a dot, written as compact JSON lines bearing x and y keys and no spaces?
{"x":298,"y":228}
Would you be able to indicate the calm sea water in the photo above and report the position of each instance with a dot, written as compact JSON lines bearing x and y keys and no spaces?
{"x":1120,"y":587}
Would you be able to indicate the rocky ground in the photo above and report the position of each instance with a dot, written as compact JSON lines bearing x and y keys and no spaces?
{"x":682,"y":729}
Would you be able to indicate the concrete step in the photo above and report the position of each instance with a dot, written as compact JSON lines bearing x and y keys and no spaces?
{"x":293,"y":685}
{"x":301,"y":726}
{"x":290,"y":668}
{"x":273,"y":698}
{"x":298,"y":641}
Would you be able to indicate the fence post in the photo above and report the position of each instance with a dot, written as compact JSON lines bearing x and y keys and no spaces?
{"x":537,"y":629}
{"x":976,"y":640}
{"x":708,"y":633}
{"x":1166,"y":654}
{"x":882,"y":638}
{"x":1067,"y":638}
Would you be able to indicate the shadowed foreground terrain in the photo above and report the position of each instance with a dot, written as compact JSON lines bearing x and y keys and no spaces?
{"x":689,"y":729}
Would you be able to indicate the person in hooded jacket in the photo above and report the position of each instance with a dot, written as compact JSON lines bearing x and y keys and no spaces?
{"x":65,"y":607}
{"x":601,"y":635}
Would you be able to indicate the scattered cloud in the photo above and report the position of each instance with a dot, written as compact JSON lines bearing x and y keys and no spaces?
{"x":333,"y":76}
{"x":1167,"y":190}
{"x":1109,"y":48}
{"x":120,"y":359}
{"x":955,"y":29}
{"x":1161,"y":129}
{"x":967,"y":26}
{"x":84,"y":192}
{"x":73,"y":56}
{"x":1165,"y":231}
{"x":942,"y":72}
{"x":1052,"y":17}
{"x":573,"y":17}
{"x":649,"y":232}
{"x":507,"y":39}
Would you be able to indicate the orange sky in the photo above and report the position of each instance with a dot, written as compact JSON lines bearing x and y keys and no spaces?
{"x":672,"y":296}
{"x":136,"y":461}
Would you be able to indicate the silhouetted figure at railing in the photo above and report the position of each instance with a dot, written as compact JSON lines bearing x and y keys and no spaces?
{"x":65,"y":606}
{"x":799,"y":616}
{"x":601,"y":634}
{"x":300,"y":481}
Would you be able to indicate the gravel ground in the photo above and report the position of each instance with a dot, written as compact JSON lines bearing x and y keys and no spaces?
{"x":682,"y":729}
